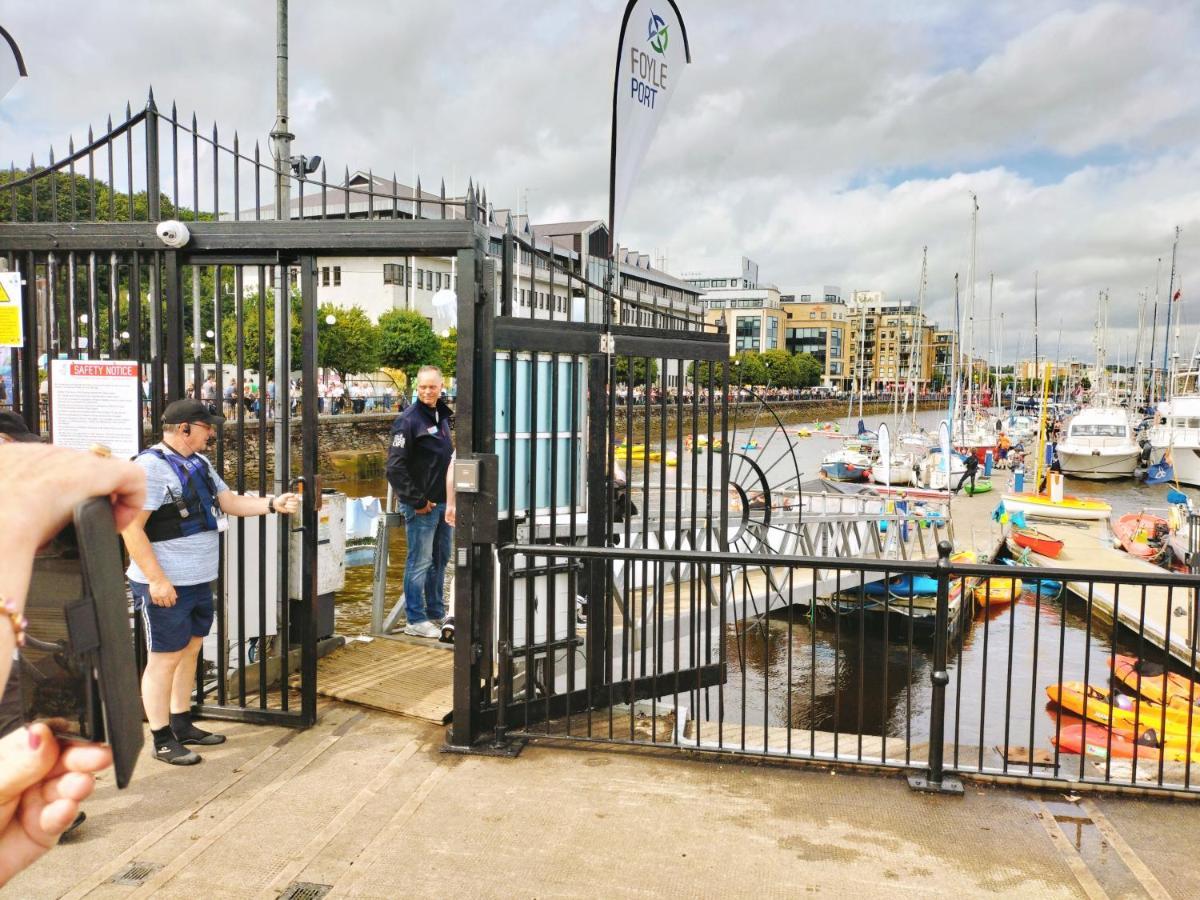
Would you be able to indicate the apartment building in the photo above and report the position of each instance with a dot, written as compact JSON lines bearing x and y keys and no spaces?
{"x":816,"y":322}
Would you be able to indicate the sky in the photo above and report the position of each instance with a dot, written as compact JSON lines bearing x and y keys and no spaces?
{"x":830,"y":143}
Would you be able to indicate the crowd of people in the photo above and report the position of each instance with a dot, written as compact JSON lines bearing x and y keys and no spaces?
{"x":334,"y":397}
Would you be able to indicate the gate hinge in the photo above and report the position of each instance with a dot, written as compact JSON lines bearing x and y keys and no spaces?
{"x":608,"y":344}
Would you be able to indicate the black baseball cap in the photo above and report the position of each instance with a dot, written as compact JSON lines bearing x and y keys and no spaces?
{"x":181,"y":412}
{"x":13,"y":427}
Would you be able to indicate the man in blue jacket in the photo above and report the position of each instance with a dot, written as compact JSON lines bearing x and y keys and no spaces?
{"x":417,"y":467}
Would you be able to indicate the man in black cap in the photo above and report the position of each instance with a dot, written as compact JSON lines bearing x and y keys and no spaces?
{"x":174,"y":547}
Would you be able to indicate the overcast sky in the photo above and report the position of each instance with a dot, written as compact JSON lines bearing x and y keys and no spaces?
{"x":828,"y":142}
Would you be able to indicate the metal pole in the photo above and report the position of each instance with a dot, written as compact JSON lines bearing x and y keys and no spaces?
{"x":935,"y":780}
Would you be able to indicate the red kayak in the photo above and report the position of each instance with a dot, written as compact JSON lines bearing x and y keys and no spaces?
{"x":1094,"y":740}
{"x":1142,"y":535}
{"x":1037,"y":541}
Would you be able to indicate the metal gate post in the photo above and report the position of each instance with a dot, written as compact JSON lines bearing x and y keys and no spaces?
{"x":312,"y":493}
{"x":935,"y":780}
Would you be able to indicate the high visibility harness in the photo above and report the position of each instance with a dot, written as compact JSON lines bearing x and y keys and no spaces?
{"x":192,"y":511}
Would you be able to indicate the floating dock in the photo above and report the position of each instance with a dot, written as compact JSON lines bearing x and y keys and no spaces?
{"x":1165,"y":616}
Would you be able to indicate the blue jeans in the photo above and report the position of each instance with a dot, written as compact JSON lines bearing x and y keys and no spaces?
{"x":429,"y":541}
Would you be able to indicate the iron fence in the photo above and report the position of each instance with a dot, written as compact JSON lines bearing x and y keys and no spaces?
{"x":938,"y":668}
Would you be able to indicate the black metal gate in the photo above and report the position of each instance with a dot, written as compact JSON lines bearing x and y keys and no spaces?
{"x":236,"y":299}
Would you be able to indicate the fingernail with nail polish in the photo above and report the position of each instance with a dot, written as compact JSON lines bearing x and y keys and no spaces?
{"x":35,"y":740}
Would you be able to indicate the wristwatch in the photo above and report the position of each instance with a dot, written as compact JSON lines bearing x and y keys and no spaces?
{"x":271,"y":504}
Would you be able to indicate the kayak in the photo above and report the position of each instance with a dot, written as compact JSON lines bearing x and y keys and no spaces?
{"x":1075,"y":508}
{"x":982,"y":486}
{"x":997,"y":591}
{"x":1151,"y":681}
{"x":1096,"y":740}
{"x":1126,"y":713}
{"x":1037,"y":541}
{"x":902,"y":586}
{"x":637,"y":452}
{"x":1047,"y":587}
{"x":1142,"y":535}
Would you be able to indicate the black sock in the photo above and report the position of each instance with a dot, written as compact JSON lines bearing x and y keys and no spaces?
{"x":181,"y":724}
{"x":162,"y":736}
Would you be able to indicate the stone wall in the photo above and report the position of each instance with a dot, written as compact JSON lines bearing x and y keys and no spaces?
{"x":355,"y":446}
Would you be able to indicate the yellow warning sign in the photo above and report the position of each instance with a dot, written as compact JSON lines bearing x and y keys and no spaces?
{"x":12,"y":330}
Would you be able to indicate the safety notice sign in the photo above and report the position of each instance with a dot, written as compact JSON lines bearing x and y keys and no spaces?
{"x":12,"y":330}
{"x":95,"y":402}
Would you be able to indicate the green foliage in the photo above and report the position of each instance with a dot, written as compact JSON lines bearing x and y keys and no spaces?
{"x":639,"y":371}
{"x":748,"y":370}
{"x":783,"y":369}
{"x":67,"y":198}
{"x":408,"y":342}
{"x":809,"y":370}
{"x":450,"y":353}
{"x":250,"y":333}
{"x":351,"y":345}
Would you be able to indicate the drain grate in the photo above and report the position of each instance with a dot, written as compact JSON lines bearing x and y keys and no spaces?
{"x":305,"y":890}
{"x":135,"y":873}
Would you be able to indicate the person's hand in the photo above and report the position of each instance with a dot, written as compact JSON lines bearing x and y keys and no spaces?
{"x":40,"y":486}
{"x":41,"y":787}
{"x":287,"y":504}
{"x":162,"y":592}
{"x":426,"y":509}
{"x":451,"y":514}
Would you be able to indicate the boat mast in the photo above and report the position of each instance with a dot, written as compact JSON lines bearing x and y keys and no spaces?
{"x":971,"y":300}
{"x":1170,"y":303}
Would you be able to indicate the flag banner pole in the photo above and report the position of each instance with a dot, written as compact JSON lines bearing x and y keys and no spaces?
{"x":652,"y":51}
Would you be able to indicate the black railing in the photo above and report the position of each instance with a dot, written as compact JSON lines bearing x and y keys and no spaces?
{"x":942,"y":668}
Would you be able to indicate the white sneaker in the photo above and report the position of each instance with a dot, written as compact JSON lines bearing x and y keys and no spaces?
{"x":424,"y":630}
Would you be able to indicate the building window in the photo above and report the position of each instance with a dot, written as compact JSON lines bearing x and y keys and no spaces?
{"x":337,"y":276}
{"x":772,"y":333}
{"x":806,"y":298}
{"x":325,"y":276}
{"x":393,"y":273}
{"x":748,"y":332}
{"x":421,"y":279}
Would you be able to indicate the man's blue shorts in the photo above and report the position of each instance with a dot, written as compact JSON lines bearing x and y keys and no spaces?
{"x":170,"y":628}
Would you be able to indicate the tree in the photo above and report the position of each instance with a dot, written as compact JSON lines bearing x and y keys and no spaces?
{"x":408,"y":342}
{"x":250,"y":333}
{"x":449,"y":353}
{"x":748,"y":369}
{"x":639,"y":370}
{"x":808,"y":370}
{"x":783,"y":369}
{"x":351,"y":345}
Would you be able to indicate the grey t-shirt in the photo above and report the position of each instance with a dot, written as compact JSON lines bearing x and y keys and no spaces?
{"x":186,"y":560}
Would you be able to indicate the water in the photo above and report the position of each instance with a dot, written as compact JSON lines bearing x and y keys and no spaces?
{"x":846,"y":679}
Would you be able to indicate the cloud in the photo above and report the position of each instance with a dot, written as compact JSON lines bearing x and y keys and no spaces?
{"x":828,"y":142}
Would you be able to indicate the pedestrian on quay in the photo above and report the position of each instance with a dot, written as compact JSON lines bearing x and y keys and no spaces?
{"x":208,"y":393}
{"x":972,"y":466}
{"x":418,"y":468}
{"x":173,"y":546}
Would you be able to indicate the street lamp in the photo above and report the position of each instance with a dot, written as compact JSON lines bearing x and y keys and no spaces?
{"x":331,"y":319}
{"x":209,"y":334}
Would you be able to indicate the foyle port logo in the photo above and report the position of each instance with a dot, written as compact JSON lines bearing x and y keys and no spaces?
{"x":657,"y":33}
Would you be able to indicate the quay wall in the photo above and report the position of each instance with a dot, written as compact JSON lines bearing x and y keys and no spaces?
{"x":355,"y":446}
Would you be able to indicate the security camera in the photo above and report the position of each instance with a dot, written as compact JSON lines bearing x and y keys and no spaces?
{"x":173,"y":233}
{"x":304,"y":165}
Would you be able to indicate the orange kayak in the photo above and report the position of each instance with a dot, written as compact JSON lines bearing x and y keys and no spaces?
{"x":1096,"y":740}
{"x":1154,"y":683}
{"x":1124,"y":713}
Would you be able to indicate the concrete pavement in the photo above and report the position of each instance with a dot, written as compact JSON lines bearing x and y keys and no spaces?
{"x":365,"y":803}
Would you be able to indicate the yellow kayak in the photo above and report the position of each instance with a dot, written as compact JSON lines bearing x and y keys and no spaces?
{"x":1083,"y":508}
{"x":997,"y":591}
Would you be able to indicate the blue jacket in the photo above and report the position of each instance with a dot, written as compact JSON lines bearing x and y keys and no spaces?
{"x":419,"y":454}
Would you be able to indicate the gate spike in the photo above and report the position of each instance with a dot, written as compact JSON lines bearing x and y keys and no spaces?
{"x":443,"y":188}
{"x":174,"y":112}
{"x":195,"y":124}
{"x":508,"y":225}
{"x":150,"y":104}
{"x":109,"y":124}
{"x":71,"y":145}
{"x":91,"y":140}
{"x":128,"y":111}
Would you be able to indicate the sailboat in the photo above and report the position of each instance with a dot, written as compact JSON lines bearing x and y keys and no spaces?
{"x":1099,"y":440}
{"x":972,"y":431}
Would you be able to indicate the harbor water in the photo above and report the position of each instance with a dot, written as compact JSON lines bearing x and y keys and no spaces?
{"x":852,"y":676}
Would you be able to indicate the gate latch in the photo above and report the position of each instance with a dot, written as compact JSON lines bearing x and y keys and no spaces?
{"x":608,"y":343}
{"x":466,"y":476}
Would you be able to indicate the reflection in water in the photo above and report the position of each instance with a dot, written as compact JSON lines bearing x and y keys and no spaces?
{"x":353,"y":608}
{"x":831,"y":675}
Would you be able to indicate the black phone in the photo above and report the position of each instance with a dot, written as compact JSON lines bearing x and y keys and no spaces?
{"x":77,"y":668}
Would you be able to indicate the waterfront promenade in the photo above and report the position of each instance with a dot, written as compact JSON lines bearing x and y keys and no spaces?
{"x":365,"y":802}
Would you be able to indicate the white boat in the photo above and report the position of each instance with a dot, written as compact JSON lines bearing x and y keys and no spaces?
{"x":933,"y":471}
{"x":1099,"y":444}
{"x":902,"y":469}
{"x":1175,"y":436}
